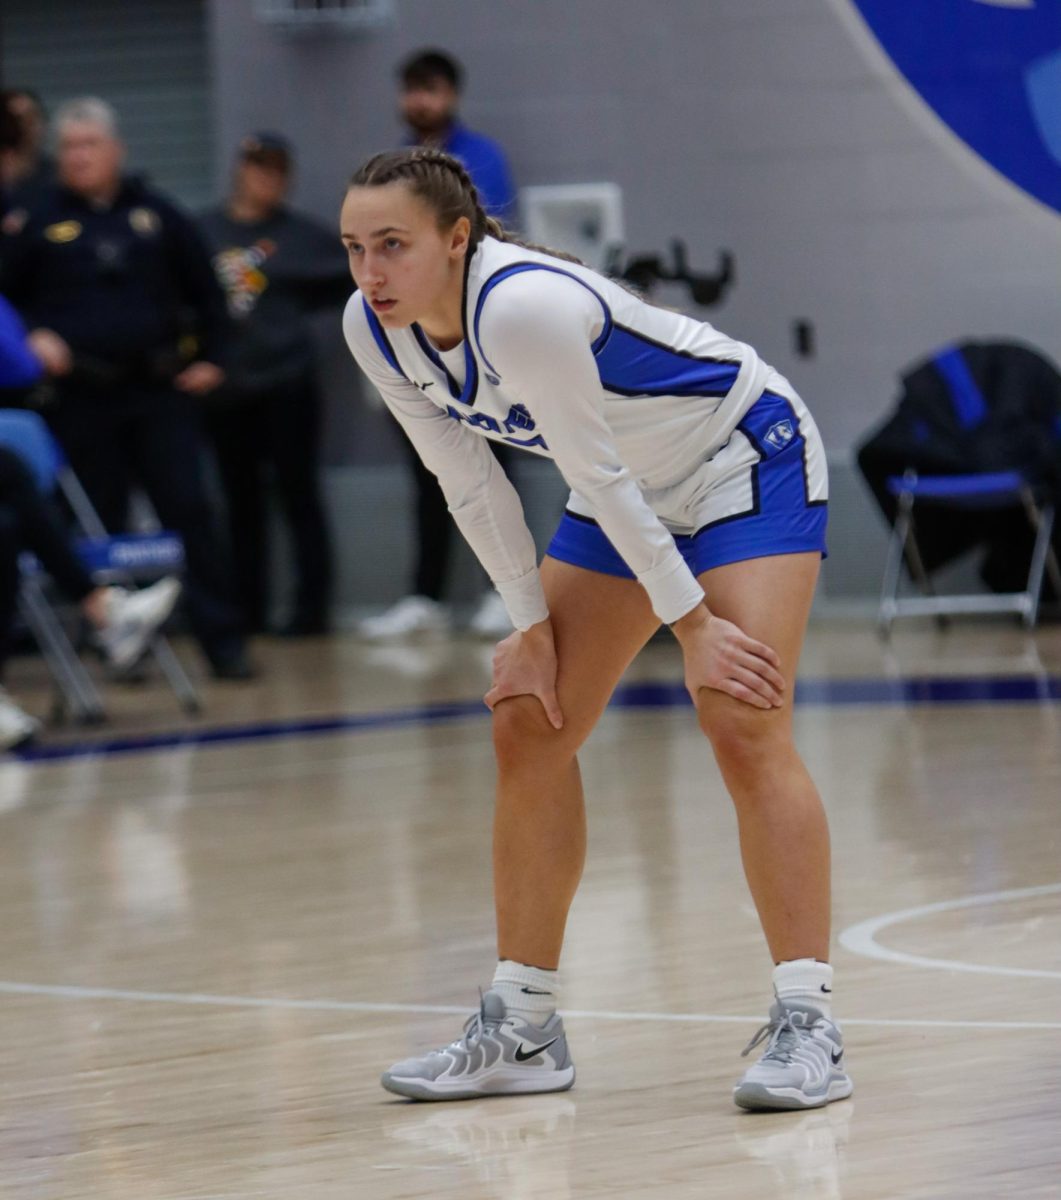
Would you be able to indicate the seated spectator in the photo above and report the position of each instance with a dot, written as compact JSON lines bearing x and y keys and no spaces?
{"x":106,"y":273}
{"x":124,"y":620}
{"x":277,"y":266}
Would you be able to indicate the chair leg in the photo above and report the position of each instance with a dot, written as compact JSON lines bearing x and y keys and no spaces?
{"x":176,"y":676}
{"x":1042,"y":521}
{"x":889,"y":592}
{"x":66,"y":668}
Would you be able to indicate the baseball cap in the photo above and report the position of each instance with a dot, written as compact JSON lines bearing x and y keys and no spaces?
{"x":268,"y":149}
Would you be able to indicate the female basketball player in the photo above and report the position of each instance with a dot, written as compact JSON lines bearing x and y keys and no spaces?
{"x":699,"y":493}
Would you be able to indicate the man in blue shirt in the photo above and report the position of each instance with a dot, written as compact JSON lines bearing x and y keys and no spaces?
{"x":430,"y":93}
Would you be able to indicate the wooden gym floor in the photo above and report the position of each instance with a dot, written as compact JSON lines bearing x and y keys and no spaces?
{"x":210,"y":948}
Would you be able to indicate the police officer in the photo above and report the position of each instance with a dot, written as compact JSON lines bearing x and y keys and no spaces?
{"x":127,"y":318}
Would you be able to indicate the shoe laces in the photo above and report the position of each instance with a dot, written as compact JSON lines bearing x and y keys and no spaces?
{"x":781,"y":1036}
{"x":475,"y":1028}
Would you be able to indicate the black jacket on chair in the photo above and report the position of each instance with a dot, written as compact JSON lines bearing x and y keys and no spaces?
{"x":980,"y":406}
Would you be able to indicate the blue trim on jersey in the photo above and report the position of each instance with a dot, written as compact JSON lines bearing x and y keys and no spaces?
{"x":518,"y":269}
{"x":382,"y":340}
{"x":781,"y":520}
{"x":632,"y":364}
{"x":434,"y":356}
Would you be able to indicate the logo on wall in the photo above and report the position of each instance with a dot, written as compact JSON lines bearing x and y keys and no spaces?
{"x":991,"y":69}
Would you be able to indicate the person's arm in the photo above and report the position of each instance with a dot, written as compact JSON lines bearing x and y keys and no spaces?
{"x":537,"y":329}
{"x":198,"y":288}
{"x":483,"y":502}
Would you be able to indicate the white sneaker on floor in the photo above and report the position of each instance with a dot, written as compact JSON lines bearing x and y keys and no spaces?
{"x":497,"y":1055}
{"x":802,"y":1065}
{"x":132,"y":619}
{"x":411,"y":615}
{"x":491,"y":619}
{"x":16,"y":727}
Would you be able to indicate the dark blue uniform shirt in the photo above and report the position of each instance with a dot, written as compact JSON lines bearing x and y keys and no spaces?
{"x":121,"y":284}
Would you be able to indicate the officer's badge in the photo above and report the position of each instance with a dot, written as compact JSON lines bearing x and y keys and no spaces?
{"x":145,"y":221}
{"x":63,"y":231}
{"x":14,"y":222}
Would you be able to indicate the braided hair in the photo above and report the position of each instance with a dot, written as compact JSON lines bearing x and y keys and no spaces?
{"x":444,"y":185}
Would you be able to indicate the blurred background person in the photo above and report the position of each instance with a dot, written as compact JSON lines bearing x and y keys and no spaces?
{"x":127,"y":318}
{"x":431,"y":83}
{"x":277,"y":267}
{"x":123,"y":620}
{"x":26,"y":170}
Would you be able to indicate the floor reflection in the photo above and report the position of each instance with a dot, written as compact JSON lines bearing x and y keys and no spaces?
{"x":804,"y":1151}
{"x":517,"y":1147}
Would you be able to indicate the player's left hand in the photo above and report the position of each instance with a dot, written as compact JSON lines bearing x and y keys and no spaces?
{"x":720,"y":656}
{"x":198,"y":378}
{"x":525,"y":665}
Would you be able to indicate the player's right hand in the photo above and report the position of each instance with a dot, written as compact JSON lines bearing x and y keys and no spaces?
{"x":525,"y":665}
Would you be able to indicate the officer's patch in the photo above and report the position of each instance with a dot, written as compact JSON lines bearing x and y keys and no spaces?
{"x":14,"y":222}
{"x":63,"y":231}
{"x":145,"y":221}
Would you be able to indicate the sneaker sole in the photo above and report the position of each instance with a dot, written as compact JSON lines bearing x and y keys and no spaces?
{"x":756,"y":1097}
{"x":498,"y":1083}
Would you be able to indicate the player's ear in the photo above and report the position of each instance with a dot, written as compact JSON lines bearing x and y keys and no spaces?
{"x":459,"y":236}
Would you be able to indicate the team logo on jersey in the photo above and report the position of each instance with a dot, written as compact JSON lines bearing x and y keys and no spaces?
{"x":145,"y":221}
{"x":63,"y":231}
{"x":780,"y":434}
{"x":488,"y":424}
{"x":518,"y":418}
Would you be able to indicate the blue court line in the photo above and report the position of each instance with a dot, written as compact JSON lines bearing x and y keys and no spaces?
{"x":994,"y":689}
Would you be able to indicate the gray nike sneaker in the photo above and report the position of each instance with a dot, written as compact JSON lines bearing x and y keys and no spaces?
{"x":802,"y":1065}
{"x":497,"y":1055}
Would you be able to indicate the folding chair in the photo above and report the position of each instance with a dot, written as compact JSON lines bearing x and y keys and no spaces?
{"x":121,"y":559}
{"x":987,"y":490}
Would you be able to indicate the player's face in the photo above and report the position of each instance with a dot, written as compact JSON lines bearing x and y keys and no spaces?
{"x":89,"y":159}
{"x":430,"y":106}
{"x":407,"y":268}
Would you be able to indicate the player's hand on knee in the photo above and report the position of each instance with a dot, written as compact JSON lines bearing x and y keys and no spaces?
{"x":525,"y":665}
{"x":719,"y":655}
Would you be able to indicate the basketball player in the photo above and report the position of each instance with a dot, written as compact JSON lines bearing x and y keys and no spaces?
{"x":699,"y":501}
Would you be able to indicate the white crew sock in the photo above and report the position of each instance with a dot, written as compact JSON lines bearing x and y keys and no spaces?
{"x":805,"y":980}
{"x":528,"y":992}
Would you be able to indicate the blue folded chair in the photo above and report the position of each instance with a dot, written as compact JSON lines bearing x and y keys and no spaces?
{"x":985,"y":490}
{"x":122,"y":559}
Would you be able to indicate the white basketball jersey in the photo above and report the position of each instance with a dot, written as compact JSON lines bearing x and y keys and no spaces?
{"x":562,"y":362}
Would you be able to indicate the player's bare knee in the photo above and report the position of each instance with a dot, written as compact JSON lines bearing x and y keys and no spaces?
{"x":741,"y":735}
{"x":522,"y":733}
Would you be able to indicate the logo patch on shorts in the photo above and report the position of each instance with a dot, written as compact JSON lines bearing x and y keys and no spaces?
{"x":780,"y":434}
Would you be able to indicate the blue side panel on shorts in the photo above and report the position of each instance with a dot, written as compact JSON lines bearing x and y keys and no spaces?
{"x":631,"y":364}
{"x":782,"y":520}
